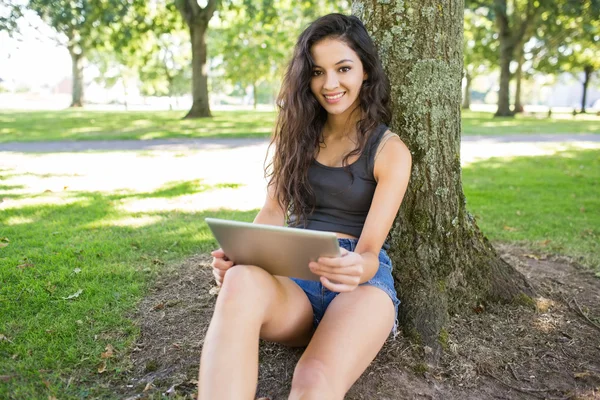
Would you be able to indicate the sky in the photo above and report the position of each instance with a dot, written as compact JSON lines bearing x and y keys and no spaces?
{"x":35,"y":59}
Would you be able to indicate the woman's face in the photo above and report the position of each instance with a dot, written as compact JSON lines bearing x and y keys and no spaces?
{"x":337,"y":76}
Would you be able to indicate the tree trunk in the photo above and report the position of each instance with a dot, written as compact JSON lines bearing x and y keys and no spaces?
{"x":77,"y":76}
{"x":466,"y":101}
{"x":507,"y":50}
{"x":197,"y":19}
{"x":442,"y":262}
{"x":586,"y":81}
{"x":518,"y":75}
{"x":254,"y":94}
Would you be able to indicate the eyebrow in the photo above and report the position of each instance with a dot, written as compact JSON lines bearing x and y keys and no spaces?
{"x":337,"y":63}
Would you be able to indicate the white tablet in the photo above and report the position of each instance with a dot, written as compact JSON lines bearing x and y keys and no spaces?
{"x":279,"y":250}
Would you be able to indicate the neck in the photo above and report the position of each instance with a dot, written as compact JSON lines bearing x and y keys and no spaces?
{"x":341,"y":125}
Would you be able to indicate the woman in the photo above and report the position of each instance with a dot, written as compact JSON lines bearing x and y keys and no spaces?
{"x":336,"y":167}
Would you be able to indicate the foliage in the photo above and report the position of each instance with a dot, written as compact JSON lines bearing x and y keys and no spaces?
{"x":480,"y":50}
{"x":571,"y":40}
{"x":253,"y":41}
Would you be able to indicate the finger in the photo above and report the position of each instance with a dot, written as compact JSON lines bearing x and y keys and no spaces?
{"x":350,"y":270}
{"x":337,"y":287}
{"x":353,"y":280}
{"x":343,"y":251}
{"x":221,"y":264}
{"x":219,"y":253}
{"x":219,"y":275}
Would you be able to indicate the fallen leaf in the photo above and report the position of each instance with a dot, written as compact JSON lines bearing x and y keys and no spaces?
{"x":65,"y":188}
{"x":47,"y":191}
{"x":102,"y":367}
{"x":4,"y":239}
{"x":545,"y":242}
{"x":533,"y":256}
{"x":79,"y":322}
{"x":159,"y":306}
{"x":427,"y":349}
{"x":214,"y":290}
{"x":518,"y":212}
{"x":51,"y":398}
{"x":148,"y":387}
{"x":108,"y":353}
{"x":479,"y":309}
{"x":26,"y":265}
{"x":6,"y":378}
{"x":509,"y":228}
{"x":582,"y":374}
{"x":2,"y":244}
{"x":4,"y":338}
{"x":46,"y":383}
{"x":77,"y":270}
{"x":74,"y":295}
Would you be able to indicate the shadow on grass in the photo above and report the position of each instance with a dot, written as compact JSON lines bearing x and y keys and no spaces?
{"x":549,"y":203}
{"x":72,"y":271}
{"x":98,"y":125}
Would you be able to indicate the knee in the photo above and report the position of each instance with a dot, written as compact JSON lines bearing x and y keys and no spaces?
{"x":244,"y":285}
{"x":312,"y":381}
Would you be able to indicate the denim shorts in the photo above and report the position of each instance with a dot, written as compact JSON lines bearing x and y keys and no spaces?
{"x":320,"y":297}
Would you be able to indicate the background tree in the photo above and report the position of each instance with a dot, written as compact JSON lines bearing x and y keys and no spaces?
{"x":197,"y":18}
{"x":254,"y":41}
{"x":81,"y":26}
{"x":443,"y":263}
{"x":570,"y":42}
{"x":480,"y":49}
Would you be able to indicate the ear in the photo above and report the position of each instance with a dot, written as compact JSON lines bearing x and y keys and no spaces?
{"x":365,"y":76}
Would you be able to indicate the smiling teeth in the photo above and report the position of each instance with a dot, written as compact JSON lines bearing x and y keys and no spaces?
{"x":337,"y":96}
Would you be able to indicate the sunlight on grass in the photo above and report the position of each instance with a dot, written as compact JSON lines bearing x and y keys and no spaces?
{"x":19,"y":221}
{"x":73,"y":266}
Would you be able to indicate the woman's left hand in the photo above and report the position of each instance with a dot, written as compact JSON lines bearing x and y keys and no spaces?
{"x":339,"y":274}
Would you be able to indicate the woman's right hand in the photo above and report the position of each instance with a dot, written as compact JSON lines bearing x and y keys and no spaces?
{"x":220,"y":265}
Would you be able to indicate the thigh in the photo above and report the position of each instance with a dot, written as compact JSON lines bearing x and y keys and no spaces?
{"x":353,"y":330}
{"x":290,"y":315}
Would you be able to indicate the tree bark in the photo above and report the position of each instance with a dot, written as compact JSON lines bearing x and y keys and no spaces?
{"x":518,"y":108}
{"x":77,"y":76}
{"x":466,"y":100}
{"x":586,"y":81}
{"x":442,"y":262}
{"x":507,"y":49}
{"x":197,"y":19}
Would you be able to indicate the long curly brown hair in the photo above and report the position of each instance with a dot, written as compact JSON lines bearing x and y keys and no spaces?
{"x":298,"y":131}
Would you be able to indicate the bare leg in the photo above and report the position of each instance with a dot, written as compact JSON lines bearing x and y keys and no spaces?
{"x":353,"y":330}
{"x":251,"y":304}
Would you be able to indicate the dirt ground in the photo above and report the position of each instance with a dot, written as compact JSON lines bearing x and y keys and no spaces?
{"x":511,"y":352}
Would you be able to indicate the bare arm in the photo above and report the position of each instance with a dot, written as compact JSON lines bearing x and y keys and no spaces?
{"x":392,"y":172}
{"x":271,"y":212}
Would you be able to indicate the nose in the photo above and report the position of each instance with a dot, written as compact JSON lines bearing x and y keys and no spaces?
{"x":331,"y":82}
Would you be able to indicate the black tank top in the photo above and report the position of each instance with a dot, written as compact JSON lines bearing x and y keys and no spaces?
{"x":342,"y":200}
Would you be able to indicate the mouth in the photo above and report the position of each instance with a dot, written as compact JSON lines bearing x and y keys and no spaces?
{"x":334,"y":98}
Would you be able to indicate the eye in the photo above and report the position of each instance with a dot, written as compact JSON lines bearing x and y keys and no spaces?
{"x":345,"y":69}
{"x":316,"y":73}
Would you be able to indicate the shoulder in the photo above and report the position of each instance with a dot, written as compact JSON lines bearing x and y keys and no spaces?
{"x":392,"y":155}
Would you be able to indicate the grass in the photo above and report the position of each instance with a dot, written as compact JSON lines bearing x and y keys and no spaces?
{"x":482,"y":123}
{"x":121,"y":125}
{"x":74,"y":263}
{"x":72,"y":267}
{"x":549,"y":204}
{"x":129,"y":125}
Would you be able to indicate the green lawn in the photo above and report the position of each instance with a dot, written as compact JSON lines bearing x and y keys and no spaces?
{"x":550,"y":204}
{"x":135,"y":125}
{"x":72,"y":266}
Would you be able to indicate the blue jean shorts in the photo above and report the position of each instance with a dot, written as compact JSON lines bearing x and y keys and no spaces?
{"x":320,"y":297}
